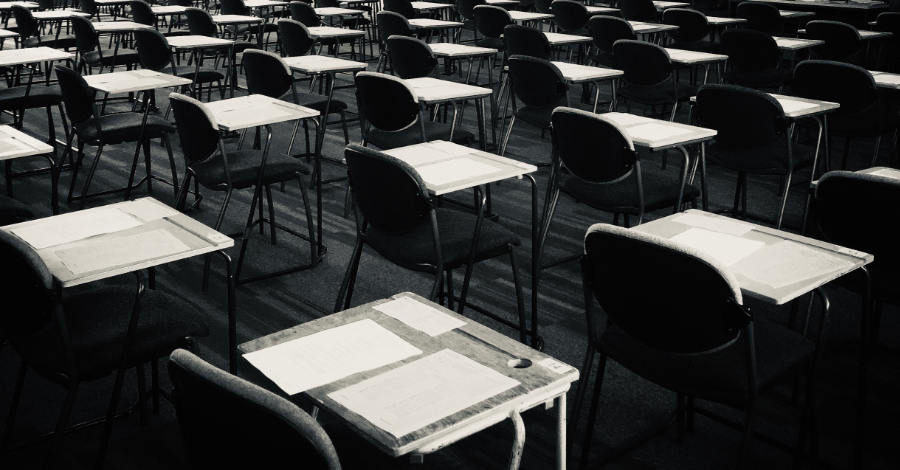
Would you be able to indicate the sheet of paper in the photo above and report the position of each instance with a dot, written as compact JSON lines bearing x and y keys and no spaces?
{"x":321,"y":358}
{"x":728,"y":249}
{"x":418,"y":155}
{"x":655,"y":131}
{"x":77,"y":226}
{"x":889,"y":78}
{"x":458,"y":169}
{"x":783,"y":42}
{"x":147,"y":210}
{"x":239,"y":117}
{"x":12,"y":146}
{"x":424,"y":391}
{"x":146,"y":73}
{"x":451,"y":148}
{"x":791,"y":106}
{"x":225,"y":106}
{"x":424,"y":318}
{"x":716,"y":224}
{"x":111,"y":77}
{"x":625,"y":119}
{"x":788,"y":262}
{"x":104,"y":254}
{"x":887,"y":173}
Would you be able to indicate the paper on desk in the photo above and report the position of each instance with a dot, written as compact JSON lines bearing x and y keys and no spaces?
{"x":728,"y":249}
{"x":11,"y":145}
{"x":147,"y":210}
{"x":655,"y":131}
{"x":146,"y":73}
{"x":424,"y":318}
{"x":458,"y":169}
{"x":225,"y":106}
{"x":77,"y":226}
{"x":889,"y":78}
{"x":791,"y":106}
{"x":716,"y":224}
{"x":237,"y":117}
{"x":104,"y":254}
{"x":111,"y":77}
{"x":450,"y":147}
{"x":785,"y":42}
{"x":322,"y":358}
{"x":887,"y":173}
{"x":417,"y":394}
{"x":788,"y":262}
{"x":625,"y":119}
{"x":418,"y":154}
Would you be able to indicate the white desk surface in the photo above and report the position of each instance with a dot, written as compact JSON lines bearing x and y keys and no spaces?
{"x":724,"y":21}
{"x":5,"y":33}
{"x":819,"y":108}
{"x":868,"y":35}
{"x":255,"y":110}
{"x":681,"y":56}
{"x":429,"y":23}
{"x":575,"y":73}
{"x":501,"y":3}
{"x":51,"y":15}
{"x":537,"y":383}
{"x":361,"y":2}
{"x":236,"y":19}
{"x":332,"y":11}
{"x":681,"y":134}
{"x":423,"y":6}
{"x":650,"y":28}
{"x":884,"y":171}
{"x":528,"y":16}
{"x":133,"y":80}
{"x":118,"y":26}
{"x":168,"y":9}
{"x":886,"y":80}
{"x":594,"y":10}
{"x":199,"y":238}
{"x":795,"y":14}
{"x":430,"y":90}
{"x":314,"y":64}
{"x":559,"y":39}
{"x":420,"y":156}
{"x":449,"y":49}
{"x":316,"y":32}
{"x":665,"y":5}
{"x":16,"y":144}
{"x":32,"y":55}
{"x":196,"y":41}
{"x":263,"y":3}
{"x":112,"y":2}
{"x":9,"y":5}
{"x":795,"y":44}
{"x":667,"y":228}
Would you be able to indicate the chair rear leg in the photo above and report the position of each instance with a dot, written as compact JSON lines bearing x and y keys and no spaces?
{"x":271,"y":212}
{"x":749,"y":422}
{"x":13,"y":408}
{"x":90,"y":176}
{"x":110,"y":415}
{"x":310,"y":225}
{"x":520,"y":299}
{"x":592,"y":416}
{"x":68,"y":405}
{"x":346,"y":290}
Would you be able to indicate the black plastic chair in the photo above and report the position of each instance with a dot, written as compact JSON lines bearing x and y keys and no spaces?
{"x":490,"y":21}
{"x":752,"y":138}
{"x":142,"y":13}
{"x":91,"y":54}
{"x":354,"y":22}
{"x":571,"y":17}
{"x":693,"y":29}
{"x":98,"y":130}
{"x":466,"y":11}
{"x":638,"y":10}
{"x":216,"y":169}
{"x":842,"y":41}
{"x":12,"y":211}
{"x":754,"y":60}
{"x":155,"y":54}
{"x":889,"y":22}
{"x":237,"y":7}
{"x":411,"y":57}
{"x":676,"y":318}
{"x":760,"y":17}
{"x":294,"y":37}
{"x":862,"y":112}
{"x":543,"y":6}
{"x":200,"y":23}
{"x":401,"y":7}
{"x":605,"y":31}
{"x":537,"y":87}
{"x":83,"y":336}
{"x":649,"y":76}
{"x":391,"y":24}
{"x":522,"y":40}
{"x":226,"y":421}
{"x":305,"y":13}
{"x":30,"y":33}
{"x":397,"y":217}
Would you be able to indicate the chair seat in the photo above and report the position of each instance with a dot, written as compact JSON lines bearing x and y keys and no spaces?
{"x":411,"y":135}
{"x":244,"y":166}
{"x":578,"y":32}
{"x":97,"y":323}
{"x":697,"y":46}
{"x":456,"y":230}
{"x":112,"y":57}
{"x":205,"y":75}
{"x":317,"y":102}
{"x":603,"y":59}
{"x":659,"y":191}
{"x":712,"y":376}
{"x":769,"y":159}
{"x":872,"y":122}
{"x":64,"y":41}
{"x":538,"y":117}
{"x":658,"y":94}
{"x":765,"y":78}
{"x":38,"y":97}
{"x":125,"y":127}
{"x":12,"y":211}
{"x":241,"y":46}
{"x":492,"y":43}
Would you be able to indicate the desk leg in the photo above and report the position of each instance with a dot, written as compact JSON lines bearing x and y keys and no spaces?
{"x":232,"y":315}
{"x":137,"y":151}
{"x":561,"y":432}
{"x":535,"y":261}
{"x":515,"y":456}
{"x":703,"y":190}
{"x":482,"y":125}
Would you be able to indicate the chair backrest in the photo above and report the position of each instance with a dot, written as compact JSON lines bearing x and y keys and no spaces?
{"x":606,"y":30}
{"x":32,"y":318}
{"x":852,"y":86}
{"x":543,"y":6}
{"x":592,"y":147}
{"x":889,"y":22}
{"x":86,"y":37}
{"x":859,"y":211}
{"x":522,"y":40}
{"x":200,"y":23}
{"x":643,"y":63}
{"x":842,"y":41}
{"x":44,"y":5}
{"x":198,"y":132}
{"x":692,"y":25}
{"x":327,"y":4}
{"x":666,"y":296}
{"x":77,"y":97}
{"x":25,"y":21}
{"x":266,"y":73}
{"x":401,"y":7}
{"x":305,"y":13}
{"x":89,"y":7}
{"x":411,"y":57}
{"x":392,"y":24}
{"x":490,"y":20}
{"x":638,"y":10}
{"x":228,"y":422}
{"x":294,"y":37}
{"x":569,"y":15}
{"x":750,"y":50}
{"x":142,"y":12}
{"x":743,"y":118}
{"x":182,"y":3}
{"x":153,"y":49}
{"x":389,"y":194}
{"x":233,"y":7}
{"x":466,"y":8}
{"x":386,"y":102}
{"x":536,"y":82}
{"x":760,"y":17}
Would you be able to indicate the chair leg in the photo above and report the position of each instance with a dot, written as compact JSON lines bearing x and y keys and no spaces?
{"x":579,"y":392}
{"x":172,"y":165}
{"x":784,"y":197}
{"x":875,"y":155}
{"x":450,"y":300}
{"x":142,"y":393}
{"x":219,"y":219}
{"x":346,"y":289}
{"x":76,"y":165}
{"x":512,"y":121}
{"x":592,"y":416}
{"x":310,"y":226}
{"x":749,"y":421}
{"x":13,"y":408}
{"x":110,"y":415}
{"x":68,"y":405}
{"x":520,"y":299}
{"x":271,"y":212}
{"x":90,"y":176}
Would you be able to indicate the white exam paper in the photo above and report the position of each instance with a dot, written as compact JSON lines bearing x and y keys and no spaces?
{"x":653,"y":131}
{"x":728,"y":249}
{"x":147,"y":210}
{"x":716,"y":224}
{"x":450,"y":147}
{"x":104,"y":254}
{"x":77,"y":226}
{"x":11,"y":146}
{"x":417,"y":394}
{"x":787,"y":262}
{"x":626,"y":119}
{"x":458,"y":169}
{"x":424,"y":318}
{"x":791,"y":106}
{"x":321,"y":358}
{"x":418,"y":154}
